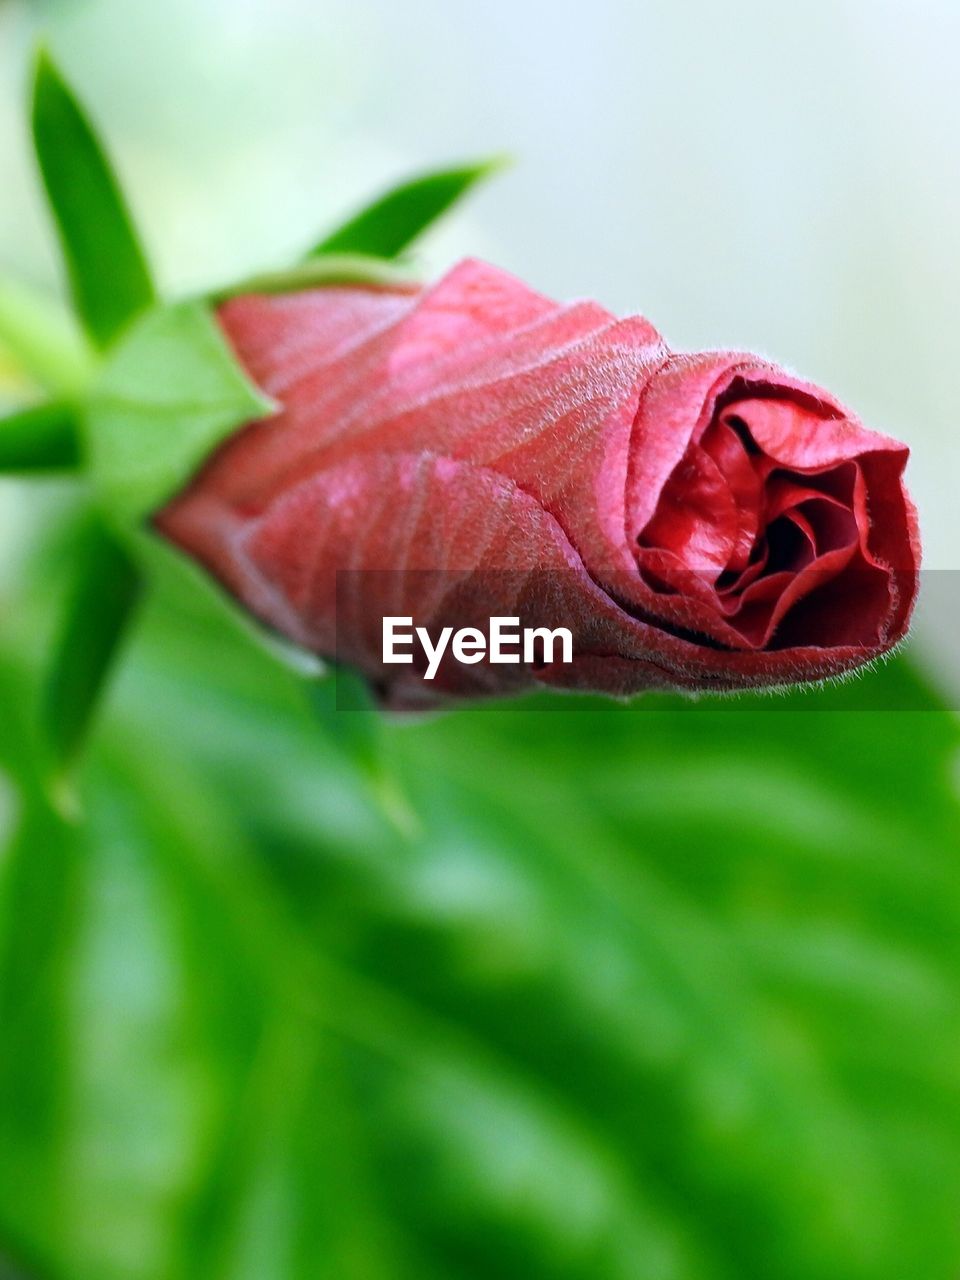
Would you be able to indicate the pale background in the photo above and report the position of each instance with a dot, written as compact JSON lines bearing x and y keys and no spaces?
{"x":778,"y":177}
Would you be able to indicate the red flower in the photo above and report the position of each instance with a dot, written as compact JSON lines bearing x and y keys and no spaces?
{"x":475,"y":449}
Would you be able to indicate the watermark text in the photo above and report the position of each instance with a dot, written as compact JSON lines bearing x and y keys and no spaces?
{"x":507,"y":642}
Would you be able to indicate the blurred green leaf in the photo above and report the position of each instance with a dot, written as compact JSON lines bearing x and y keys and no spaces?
{"x":390,"y":224}
{"x":169,"y":393}
{"x":41,"y":339}
{"x":42,"y":438}
{"x":108,"y":274}
{"x":660,"y":990}
{"x":39,"y":880}
{"x":347,"y":712}
{"x":107,"y":590}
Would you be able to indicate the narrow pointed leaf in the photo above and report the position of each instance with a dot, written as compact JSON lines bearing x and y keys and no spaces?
{"x":386,"y":227}
{"x":41,"y":438}
{"x":99,"y":613}
{"x":347,"y":712}
{"x":108,"y":274}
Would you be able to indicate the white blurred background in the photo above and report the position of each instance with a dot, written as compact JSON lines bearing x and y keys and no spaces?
{"x":783,"y":178}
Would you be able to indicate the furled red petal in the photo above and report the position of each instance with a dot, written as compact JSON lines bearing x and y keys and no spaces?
{"x":808,"y":433}
{"x":696,"y":518}
{"x":745,"y":480}
{"x":475,"y":449}
{"x":416,"y":535}
{"x":686,"y":402}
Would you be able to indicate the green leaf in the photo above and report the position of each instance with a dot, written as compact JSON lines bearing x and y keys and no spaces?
{"x":108,"y":274}
{"x":42,"y":438}
{"x":169,"y":393}
{"x":386,"y":227}
{"x":39,"y":905}
{"x":665,"y":990}
{"x":107,"y":590}
{"x":347,"y":712}
{"x":344,"y":706}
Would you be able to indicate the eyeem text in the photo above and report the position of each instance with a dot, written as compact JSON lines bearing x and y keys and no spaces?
{"x":507,"y":642}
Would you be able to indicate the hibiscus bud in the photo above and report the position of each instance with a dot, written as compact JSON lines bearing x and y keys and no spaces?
{"x":475,"y":450}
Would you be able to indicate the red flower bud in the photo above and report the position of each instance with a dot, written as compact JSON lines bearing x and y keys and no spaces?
{"x":475,"y":449}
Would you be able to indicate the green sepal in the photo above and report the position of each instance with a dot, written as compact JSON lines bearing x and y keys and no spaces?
{"x":108,"y":274}
{"x":107,"y":589}
{"x":170,"y":392}
{"x":341,"y":268}
{"x":43,"y":437}
{"x":318,"y":272}
{"x":391,"y":223}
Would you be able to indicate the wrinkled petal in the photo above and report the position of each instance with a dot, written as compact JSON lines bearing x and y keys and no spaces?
{"x":475,"y":449}
{"x":696,"y":518}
